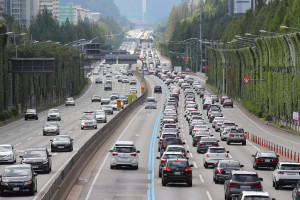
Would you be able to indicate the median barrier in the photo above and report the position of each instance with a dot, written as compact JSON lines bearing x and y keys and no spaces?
{"x":65,"y":179}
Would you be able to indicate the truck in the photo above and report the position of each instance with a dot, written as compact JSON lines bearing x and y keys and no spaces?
{"x":177,"y":69}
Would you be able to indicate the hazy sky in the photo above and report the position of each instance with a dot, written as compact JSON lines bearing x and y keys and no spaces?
{"x":156,"y":9}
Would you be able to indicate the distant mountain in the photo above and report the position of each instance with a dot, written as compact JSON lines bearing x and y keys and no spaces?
{"x":156,"y":9}
{"x":107,"y":8}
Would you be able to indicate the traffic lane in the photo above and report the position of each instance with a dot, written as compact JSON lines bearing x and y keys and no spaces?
{"x":243,"y":155}
{"x":199,"y":190}
{"x":58,"y":158}
{"x":126,"y":182}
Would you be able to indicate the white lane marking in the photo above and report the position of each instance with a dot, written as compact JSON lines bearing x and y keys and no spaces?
{"x":229,"y":156}
{"x":187,"y":146}
{"x":191,"y":155}
{"x":208,"y":195}
{"x":11,"y":133}
{"x":195,"y":165}
{"x":32,"y":124}
{"x":104,"y":161}
{"x":76,"y":127}
{"x":185,"y":141}
{"x":201,"y":178}
{"x":182,"y":126}
{"x":253,"y":145}
{"x":22,"y":129}
{"x":39,"y":133}
{"x":137,"y":135}
{"x":30,"y":138}
{"x":69,"y":132}
{"x":183,"y":135}
{"x":54,"y":154}
{"x":18,"y":144}
{"x":267,"y":131}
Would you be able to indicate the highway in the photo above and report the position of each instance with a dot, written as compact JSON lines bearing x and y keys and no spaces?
{"x":23,"y":134}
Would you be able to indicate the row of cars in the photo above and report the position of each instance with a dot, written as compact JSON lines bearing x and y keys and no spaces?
{"x":238,"y":184}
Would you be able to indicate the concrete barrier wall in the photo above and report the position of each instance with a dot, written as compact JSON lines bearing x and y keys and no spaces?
{"x":65,"y":179}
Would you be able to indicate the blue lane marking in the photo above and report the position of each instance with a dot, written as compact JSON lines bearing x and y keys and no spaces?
{"x":151,"y":194}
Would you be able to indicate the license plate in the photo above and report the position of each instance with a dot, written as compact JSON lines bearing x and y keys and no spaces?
{"x":245,"y":187}
{"x":34,"y":166}
{"x":267,"y":160}
{"x":16,"y":188}
{"x":236,"y":136}
{"x":176,"y":173}
{"x":60,"y":147}
{"x":291,"y":173}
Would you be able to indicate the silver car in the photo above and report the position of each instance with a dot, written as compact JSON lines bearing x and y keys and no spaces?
{"x":51,"y":128}
{"x":236,"y":136}
{"x":105,"y":100}
{"x":124,"y":154}
{"x":224,"y":135}
{"x":53,"y":114}
{"x":108,"y":109}
{"x":88,"y":121}
{"x":150,"y":103}
{"x":70,"y":102}
{"x":7,"y":154}
{"x":114,"y":95}
{"x":100,"y":116}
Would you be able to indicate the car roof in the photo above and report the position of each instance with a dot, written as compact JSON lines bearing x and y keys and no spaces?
{"x":37,"y":148}
{"x":174,"y":160}
{"x":124,"y":143}
{"x":172,"y":152}
{"x":253,"y":193}
{"x":178,"y":146}
{"x":243,"y":172}
{"x":19,"y":166}
{"x":293,"y":163}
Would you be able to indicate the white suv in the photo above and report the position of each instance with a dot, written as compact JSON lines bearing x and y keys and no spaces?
{"x":124,"y":154}
{"x":286,"y":173}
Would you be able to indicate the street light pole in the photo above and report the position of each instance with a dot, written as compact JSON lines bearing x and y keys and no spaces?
{"x":200,"y":2}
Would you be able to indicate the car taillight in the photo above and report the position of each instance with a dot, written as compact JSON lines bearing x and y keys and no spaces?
{"x":299,"y":191}
{"x":114,"y":154}
{"x":133,"y":154}
{"x":206,"y":130}
{"x":162,"y":161}
{"x":184,"y":154}
{"x":227,"y":155}
{"x":219,"y":171}
{"x":216,"y":144}
{"x":161,"y":139}
{"x":191,"y":127}
{"x":232,"y":184}
{"x":202,"y":143}
{"x":258,"y":160}
{"x":231,"y":135}
{"x":275,"y":160}
{"x":211,"y":116}
{"x":195,"y":130}
{"x":222,"y":126}
{"x":231,"y":102}
{"x":163,"y":146}
{"x":82,"y":123}
{"x":243,"y":135}
{"x":257,"y":185}
{"x":167,"y":169}
{"x":188,"y":169}
{"x":279,"y":172}
{"x":207,"y":155}
{"x":224,"y":133}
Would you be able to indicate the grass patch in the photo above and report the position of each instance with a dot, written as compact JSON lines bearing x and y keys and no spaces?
{"x":285,"y":128}
{"x":215,"y":90}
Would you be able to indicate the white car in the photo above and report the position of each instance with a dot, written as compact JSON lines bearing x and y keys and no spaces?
{"x":70,"y":102}
{"x":213,"y":155}
{"x":225,"y":134}
{"x":253,"y":195}
{"x":286,"y":173}
{"x":100,"y":116}
{"x":53,"y":114}
{"x":150,"y":103}
{"x":7,"y":154}
{"x":124,"y":154}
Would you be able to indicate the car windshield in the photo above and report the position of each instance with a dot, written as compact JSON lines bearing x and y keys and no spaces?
{"x":229,"y":165}
{"x":105,"y":98}
{"x":217,"y":114}
{"x":31,"y":110}
{"x":50,"y":125}
{"x":172,"y":156}
{"x":232,"y":130}
{"x":14,"y":172}
{"x":69,"y":99}
{"x":229,"y":124}
{"x":35,"y":153}
{"x":99,"y":112}
{"x":107,"y":106}
{"x":5,"y":148}
{"x":178,"y":164}
{"x":170,"y":126}
{"x":267,"y":154}
{"x":256,"y":198}
{"x":124,"y":149}
{"x":96,"y":97}
{"x":208,"y":140}
{"x":217,"y":150}
{"x":61,"y":138}
{"x":290,"y":167}
{"x":227,"y":100}
{"x":173,"y":141}
{"x":245,"y":177}
{"x":151,"y":100}
{"x":53,"y":111}
{"x":240,"y":130}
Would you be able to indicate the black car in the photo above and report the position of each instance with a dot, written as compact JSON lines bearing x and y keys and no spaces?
{"x":239,"y":180}
{"x":296,"y":192}
{"x":31,"y":114}
{"x":62,"y":143}
{"x":98,"y":80}
{"x":39,"y":158}
{"x":170,"y":141}
{"x":213,"y":115}
{"x":223,"y":169}
{"x":205,"y":143}
{"x":267,"y":159}
{"x":96,"y":98}
{"x":18,"y":179}
{"x":197,"y":137}
{"x":177,"y":170}
{"x":165,"y":157}
{"x":157,"y":89}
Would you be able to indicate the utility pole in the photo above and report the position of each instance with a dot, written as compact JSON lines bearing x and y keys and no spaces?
{"x":200,"y":34}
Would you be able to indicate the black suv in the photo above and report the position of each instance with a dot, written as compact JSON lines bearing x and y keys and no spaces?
{"x":223,"y":169}
{"x":239,"y":181}
{"x":205,"y":143}
{"x":265,"y":159}
{"x":18,"y":179}
{"x":170,"y":141}
{"x":31,"y":114}
{"x":177,"y":170}
{"x":157,"y":89}
{"x":39,"y":158}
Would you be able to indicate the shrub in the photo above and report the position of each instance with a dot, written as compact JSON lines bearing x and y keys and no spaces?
{"x":2,"y":116}
{"x":7,"y":114}
{"x":15,"y":111}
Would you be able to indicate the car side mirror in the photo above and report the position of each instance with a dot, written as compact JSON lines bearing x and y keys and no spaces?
{"x":178,"y":127}
{"x":51,"y":140}
{"x":253,"y":155}
{"x":188,"y":151}
{"x":157,"y":157}
{"x":234,"y":198}
{"x":0,"y":176}
{"x":241,"y":165}
{"x":72,"y":139}
{"x":35,"y":174}
{"x":261,"y":179}
{"x":227,"y":151}
{"x":21,"y":157}
{"x":157,"y":137}
{"x":278,"y":156}
{"x":218,"y":140}
{"x":183,"y":142}
{"x":191,"y":165}
{"x":138,"y":151}
{"x":50,"y":156}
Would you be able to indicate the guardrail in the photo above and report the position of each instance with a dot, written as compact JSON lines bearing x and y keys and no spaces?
{"x":65,"y":179}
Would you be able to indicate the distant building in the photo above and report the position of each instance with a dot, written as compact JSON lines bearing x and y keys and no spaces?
{"x":79,"y":13}
{"x":239,"y":7}
{"x":95,"y":16}
{"x":52,"y":6}
{"x":65,"y":12}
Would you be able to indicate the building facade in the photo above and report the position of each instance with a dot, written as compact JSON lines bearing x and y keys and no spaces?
{"x":65,"y":12}
{"x":52,"y":6}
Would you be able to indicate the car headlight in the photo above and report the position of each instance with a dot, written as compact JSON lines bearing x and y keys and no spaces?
{"x":28,"y":182}
{"x":4,"y":183}
{"x":45,"y":162}
{"x":82,"y":123}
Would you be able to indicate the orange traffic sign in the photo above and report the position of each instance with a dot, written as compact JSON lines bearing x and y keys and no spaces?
{"x":119,"y":104}
{"x":142,"y":89}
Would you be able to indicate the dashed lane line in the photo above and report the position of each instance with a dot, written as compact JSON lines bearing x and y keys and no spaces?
{"x":200,"y":176}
